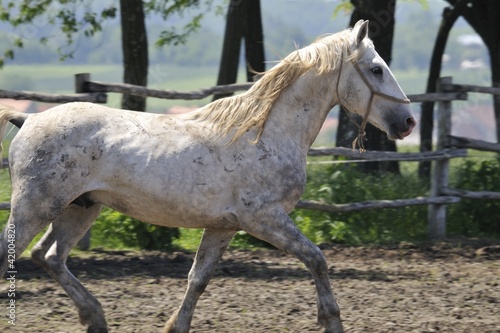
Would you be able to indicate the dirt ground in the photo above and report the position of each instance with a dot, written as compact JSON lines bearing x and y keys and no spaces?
{"x":445,"y":287}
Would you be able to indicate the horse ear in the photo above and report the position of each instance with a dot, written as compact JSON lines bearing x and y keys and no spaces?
{"x":361,"y":31}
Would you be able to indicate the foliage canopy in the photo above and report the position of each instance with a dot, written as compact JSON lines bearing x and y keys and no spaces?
{"x":73,"y":17}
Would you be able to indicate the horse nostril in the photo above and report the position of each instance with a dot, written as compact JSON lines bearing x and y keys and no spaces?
{"x":411,"y":123}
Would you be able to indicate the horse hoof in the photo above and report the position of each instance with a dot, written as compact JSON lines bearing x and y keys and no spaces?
{"x":97,"y":329}
{"x":336,"y":327}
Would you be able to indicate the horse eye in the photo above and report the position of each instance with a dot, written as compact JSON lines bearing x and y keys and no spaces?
{"x":377,"y":70}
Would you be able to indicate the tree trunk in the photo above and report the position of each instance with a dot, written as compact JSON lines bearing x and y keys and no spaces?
{"x":243,"y":22}
{"x":381,"y":16}
{"x":135,"y":51}
{"x":228,"y":69}
{"x":427,"y":108}
{"x":254,"y":39}
{"x":495,"y":78}
{"x":482,"y":15}
{"x":494,"y":50}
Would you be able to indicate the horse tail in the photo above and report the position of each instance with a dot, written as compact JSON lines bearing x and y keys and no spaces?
{"x":9,"y":114}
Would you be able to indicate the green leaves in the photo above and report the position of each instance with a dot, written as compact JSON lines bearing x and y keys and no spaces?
{"x":109,"y":12}
{"x":476,"y":217}
{"x":9,"y":54}
{"x":115,"y":230}
{"x":166,"y":9}
{"x":34,"y":16}
{"x":4,"y":15}
{"x":75,"y":18}
{"x":343,"y":183}
{"x":169,"y":37}
{"x":345,"y":6}
{"x":424,"y":3}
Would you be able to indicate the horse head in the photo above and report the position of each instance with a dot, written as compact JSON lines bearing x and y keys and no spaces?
{"x":367,"y":87}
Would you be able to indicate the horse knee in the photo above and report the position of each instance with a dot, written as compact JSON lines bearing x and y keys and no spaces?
{"x":50,"y":262}
{"x":38,"y":256}
{"x":316,"y":261}
{"x":197,"y":284}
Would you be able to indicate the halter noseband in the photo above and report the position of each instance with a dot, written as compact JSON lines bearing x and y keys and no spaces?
{"x":358,"y":141}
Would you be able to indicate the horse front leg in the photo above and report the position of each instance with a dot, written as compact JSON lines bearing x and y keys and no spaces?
{"x":274,"y":226}
{"x":212,"y":246}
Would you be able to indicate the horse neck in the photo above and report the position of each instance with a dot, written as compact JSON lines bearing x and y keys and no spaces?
{"x":300,"y":111}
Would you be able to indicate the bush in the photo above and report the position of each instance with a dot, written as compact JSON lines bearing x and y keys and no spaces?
{"x":476,"y":217}
{"x":343,"y":183}
{"x":115,"y":230}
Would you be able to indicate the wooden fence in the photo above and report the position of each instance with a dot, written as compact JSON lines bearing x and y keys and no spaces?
{"x":447,"y":146}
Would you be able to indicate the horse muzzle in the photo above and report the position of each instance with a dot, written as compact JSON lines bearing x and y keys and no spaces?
{"x":402,"y":129}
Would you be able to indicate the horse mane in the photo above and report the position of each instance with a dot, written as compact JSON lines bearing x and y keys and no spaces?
{"x":235,"y":115}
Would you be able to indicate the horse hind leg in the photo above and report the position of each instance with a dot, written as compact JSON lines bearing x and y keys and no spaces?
{"x":212,"y":246}
{"x":275,"y":227}
{"x":51,"y":253}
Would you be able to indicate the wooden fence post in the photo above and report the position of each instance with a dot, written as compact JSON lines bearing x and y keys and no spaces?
{"x":80,"y":79}
{"x":437,"y":212}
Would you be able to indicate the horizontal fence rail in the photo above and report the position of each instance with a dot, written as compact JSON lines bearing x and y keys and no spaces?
{"x":95,"y":92}
{"x":374,"y":204}
{"x":386,"y":156}
{"x":122,"y":88}
{"x":481,"y":195}
{"x":54,"y":98}
{"x":461,"y":142}
{"x":470,"y":88}
{"x":95,"y":86}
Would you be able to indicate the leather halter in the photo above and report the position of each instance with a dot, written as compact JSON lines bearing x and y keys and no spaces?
{"x":358,"y":141}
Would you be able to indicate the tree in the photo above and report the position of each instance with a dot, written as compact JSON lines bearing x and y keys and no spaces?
{"x":380,"y":13}
{"x":482,"y":15}
{"x":73,"y":19}
{"x":243,"y":22}
{"x":450,"y":15}
{"x":135,"y":51}
{"x":72,"y":22}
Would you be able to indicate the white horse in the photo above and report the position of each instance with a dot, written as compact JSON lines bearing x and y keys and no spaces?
{"x":236,"y":164}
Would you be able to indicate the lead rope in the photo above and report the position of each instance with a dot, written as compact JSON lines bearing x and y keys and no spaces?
{"x":361,"y":138}
{"x":358,"y":141}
